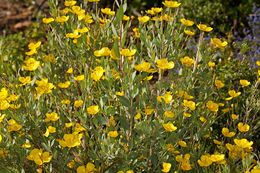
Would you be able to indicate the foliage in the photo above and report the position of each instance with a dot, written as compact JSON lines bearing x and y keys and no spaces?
{"x":98,"y":94}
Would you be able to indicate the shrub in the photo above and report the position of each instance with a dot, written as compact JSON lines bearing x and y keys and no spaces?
{"x":98,"y":95}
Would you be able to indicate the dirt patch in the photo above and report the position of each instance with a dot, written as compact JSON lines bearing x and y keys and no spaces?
{"x":15,"y":16}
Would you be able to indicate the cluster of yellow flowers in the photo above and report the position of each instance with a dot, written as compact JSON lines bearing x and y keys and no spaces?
{"x":173,"y":106}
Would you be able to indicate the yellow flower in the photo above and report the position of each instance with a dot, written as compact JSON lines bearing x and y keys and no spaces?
{"x":33,"y":47}
{"x":187,"y":61}
{"x":62,"y":19}
{"x":108,"y":11}
{"x":183,"y":94}
{"x":187,"y":115}
{"x":93,"y":0}
{"x":3,"y":93}
{"x":47,"y":20}
{"x":70,"y":70}
{"x":182,"y":144}
{"x":126,"y":18}
{"x":219,"y":84}
{"x":167,"y":97}
{"x":187,"y":22}
{"x":129,"y":171}
{"x":216,"y":142}
{"x":113,"y":134}
{"x":71,"y":164}
{"x":144,"y":19}
{"x":211,"y":64}
{"x":180,"y":158}
{"x":113,"y":55}
{"x":51,"y":117}
{"x":127,"y":52}
{"x":189,"y":104}
{"x":88,"y":19}
{"x":169,"y":114}
{"x":13,"y":125}
{"x":205,"y":28}
{"x":79,"y":78}
{"x":234,"y":116}
{"x":68,"y":125}
{"x":243,"y":143}
{"x":203,"y":119}
{"x":171,"y":148}
{"x":79,"y":128}
{"x":71,"y":140}
{"x":258,"y":63}
{"x":105,"y":51}
{"x":148,"y":77}
{"x":218,"y":43}
{"x":43,"y":86}
{"x":217,"y":157}
{"x":243,"y":127}
{"x":186,"y":166}
{"x":49,"y":130}
{"x":90,"y":167}
{"x":164,"y":64}
{"x":169,"y":127}
{"x":244,"y":83}
{"x":31,"y":64}
{"x":64,"y":11}
{"x":137,"y":116}
{"x":233,"y":94}
{"x":12,"y":97}
{"x":120,"y":93}
{"x":166,"y":167}
{"x":154,"y":11}
{"x":78,"y":103}
{"x":188,"y":32}
{"x":66,"y":102}
{"x":205,"y":160}
{"x":93,"y":109}
{"x":15,"y":106}
{"x":172,"y":4}
{"x":226,"y":133}
{"x":97,"y":73}
{"x":82,"y":30}
{"x":64,"y":85}
{"x":2,"y":117}
{"x":148,"y":110}
{"x":39,"y":157}
{"x":74,"y":35}
{"x":212,"y":106}
{"x":4,"y":104}
{"x":26,"y":145}
{"x":70,"y":3}
{"x":145,"y":66}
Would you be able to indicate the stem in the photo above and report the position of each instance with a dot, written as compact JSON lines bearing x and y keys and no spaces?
{"x":198,"y":51}
{"x":120,"y":44}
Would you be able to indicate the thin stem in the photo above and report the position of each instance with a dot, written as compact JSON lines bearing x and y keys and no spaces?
{"x":198,"y":52}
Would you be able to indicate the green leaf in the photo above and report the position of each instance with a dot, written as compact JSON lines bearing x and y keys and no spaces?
{"x":124,"y":101}
{"x":116,"y":48}
{"x":119,"y":15}
{"x":124,"y":123}
{"x":101,"y":119}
